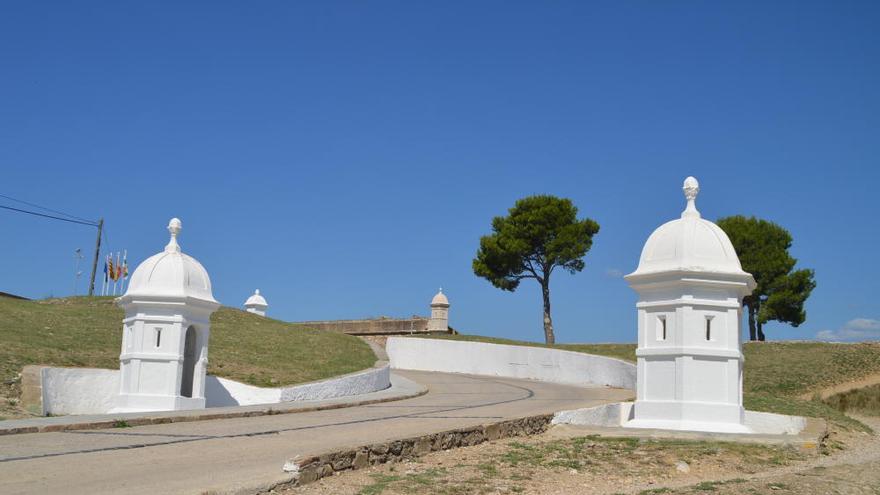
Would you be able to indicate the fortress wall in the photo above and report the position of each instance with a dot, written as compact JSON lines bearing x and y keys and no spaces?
{"x":376,"y":326}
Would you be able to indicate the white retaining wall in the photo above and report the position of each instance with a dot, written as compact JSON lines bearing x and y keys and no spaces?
{"x":535,"y":363}
{"x":362,"y":382}
{"x":221,"y":392}
{"x":94,"y":391}
{"x":610,"y":415}
{"x":78,"y":390}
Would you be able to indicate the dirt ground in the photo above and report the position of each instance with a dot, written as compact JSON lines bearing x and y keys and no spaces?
{"x":850,"y":464}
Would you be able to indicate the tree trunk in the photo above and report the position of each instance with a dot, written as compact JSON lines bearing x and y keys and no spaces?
{"x":761,"y":336}
{"x":548,"y":322}
{"x":753,"y":331}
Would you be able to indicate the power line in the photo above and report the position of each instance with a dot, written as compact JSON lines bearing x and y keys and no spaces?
{"x":70,"y":219}
{"x":84,"y":222}
{"x":46,"y":209}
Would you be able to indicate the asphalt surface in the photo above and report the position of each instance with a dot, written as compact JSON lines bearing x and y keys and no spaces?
{"x":243,"y":454}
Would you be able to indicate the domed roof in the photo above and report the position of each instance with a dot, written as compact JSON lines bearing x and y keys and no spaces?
{"x":171,"y":274}
{"x":256,"y":300}
{"x":689,"y":243}
{"x":440,"y":299}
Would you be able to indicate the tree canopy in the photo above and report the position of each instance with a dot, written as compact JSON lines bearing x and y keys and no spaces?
{"x":539,"y":234}
{"x":762,"y":247}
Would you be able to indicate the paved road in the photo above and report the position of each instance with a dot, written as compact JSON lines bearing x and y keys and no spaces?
{"x":242,"y":453}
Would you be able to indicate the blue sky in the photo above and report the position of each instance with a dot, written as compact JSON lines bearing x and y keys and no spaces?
{"x":345,"y":157}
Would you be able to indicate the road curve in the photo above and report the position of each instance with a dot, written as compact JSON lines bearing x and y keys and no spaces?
{"x":239,"y":454}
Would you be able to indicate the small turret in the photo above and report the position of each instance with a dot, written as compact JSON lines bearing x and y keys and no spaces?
{"x":256,"y":304}
{"x":439,"y":321}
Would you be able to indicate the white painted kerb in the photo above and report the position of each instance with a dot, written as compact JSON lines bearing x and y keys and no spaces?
{"x":620,"y":413}
{"x":512,"y":361}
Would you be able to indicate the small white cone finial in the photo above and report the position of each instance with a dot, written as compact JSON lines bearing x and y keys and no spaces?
{"x":257,"y":292}
{"x":174,"y":227}
{"x":691,"y":188}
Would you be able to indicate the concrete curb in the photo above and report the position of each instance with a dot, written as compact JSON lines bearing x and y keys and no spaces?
{"x":312,"y":468}
{"x":402,"y":389}
{"x":808,"y":441}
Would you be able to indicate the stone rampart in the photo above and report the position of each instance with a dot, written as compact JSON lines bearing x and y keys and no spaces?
{"x":372,"y":326}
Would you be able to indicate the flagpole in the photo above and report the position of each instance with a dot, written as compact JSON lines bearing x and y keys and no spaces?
{"x":109,"y":261}
{"x":124,"y":269}
{"x":109,"y":280}
{"x":113,"y":277}
{"x":117,"y":273}
{"x":111,"y":291}
{"x":104,"y":280}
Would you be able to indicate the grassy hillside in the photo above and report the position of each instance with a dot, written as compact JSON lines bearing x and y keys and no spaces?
{"x":775,"y":373}
{"x":87,"y":332}
{"x":864,"y":401}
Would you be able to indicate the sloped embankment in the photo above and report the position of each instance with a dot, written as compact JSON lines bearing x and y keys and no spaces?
{"x":87,"y":332}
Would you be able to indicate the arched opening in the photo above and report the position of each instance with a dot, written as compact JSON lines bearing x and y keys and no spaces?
{"x":189,"y":362}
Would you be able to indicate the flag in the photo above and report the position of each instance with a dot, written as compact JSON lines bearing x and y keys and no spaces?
{"x":111,"y":268}
{"x":125,"y":265}
{"x":106,"y":268}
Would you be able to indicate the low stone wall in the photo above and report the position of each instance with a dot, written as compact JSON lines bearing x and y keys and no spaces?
{"x":375,"y":326}
{"x":512,"y":361}
{"x":94,"y":391}
{"x":313,"y":468}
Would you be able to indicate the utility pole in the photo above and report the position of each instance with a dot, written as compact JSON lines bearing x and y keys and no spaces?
{"x":95,"y":260}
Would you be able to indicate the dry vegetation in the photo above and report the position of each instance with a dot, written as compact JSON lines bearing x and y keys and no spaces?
{"x":860,"y":401}
{"x":550,"y":465}
{"x":87,"y":332}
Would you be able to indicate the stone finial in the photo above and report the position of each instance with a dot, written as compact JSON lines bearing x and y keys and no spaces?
{"x":174,"y":227}
{"x":691,"y":188}
{"x":257,"y":292}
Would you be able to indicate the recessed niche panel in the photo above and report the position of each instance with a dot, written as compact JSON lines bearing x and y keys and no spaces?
{"x":705,"y":380}
{"x":659,"y":379}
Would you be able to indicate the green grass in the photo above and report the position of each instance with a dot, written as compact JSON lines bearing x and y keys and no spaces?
{"x":582,"y":453}
{"x":87,"y":332}
{"x":795,"y":368}
{"x":409,"y":482}
{"x":863,"y":401}
{"x":776,"y":374}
